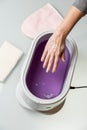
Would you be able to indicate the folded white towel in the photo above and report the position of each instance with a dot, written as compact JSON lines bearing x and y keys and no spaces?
{"x":9,"y":56}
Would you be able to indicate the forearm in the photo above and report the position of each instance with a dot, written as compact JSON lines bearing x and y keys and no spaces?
{"x":55,"y":46}
{"x":73,"y":16}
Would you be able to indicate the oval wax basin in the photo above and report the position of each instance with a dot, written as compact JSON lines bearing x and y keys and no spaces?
{"x":46,"y":85}
{"x":45,"y":91}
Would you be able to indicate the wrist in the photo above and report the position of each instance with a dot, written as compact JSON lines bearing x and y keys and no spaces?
{"x":62,"y":31}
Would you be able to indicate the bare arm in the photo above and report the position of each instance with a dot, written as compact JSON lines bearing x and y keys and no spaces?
{"x":70,"y":20}
{"x":55,"y":46}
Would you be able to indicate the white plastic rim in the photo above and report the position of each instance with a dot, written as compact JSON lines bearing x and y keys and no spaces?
{"x":43,"y":104}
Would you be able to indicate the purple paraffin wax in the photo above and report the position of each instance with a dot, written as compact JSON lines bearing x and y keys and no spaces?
{"x":46,"y":85}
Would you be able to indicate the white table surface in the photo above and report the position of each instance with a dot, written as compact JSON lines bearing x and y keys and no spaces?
{"x":73,"y":115}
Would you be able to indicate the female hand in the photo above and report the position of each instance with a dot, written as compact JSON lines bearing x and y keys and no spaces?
{"x":54,"y":50}
{"x":55,"y":46}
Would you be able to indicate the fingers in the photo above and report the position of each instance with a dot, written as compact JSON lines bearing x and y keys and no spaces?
{"x":57,"y":56}
{"x":55,"y":64}
{"x":50,"y":63}
{"x":51,"y":55}
{"x":50,"y":59}
{"x":44,"y":55}
{"x":46,"y":60}
{"x":63,"y":57}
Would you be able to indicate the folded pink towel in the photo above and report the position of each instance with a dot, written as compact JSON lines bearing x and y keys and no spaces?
{"x":44,"y":19}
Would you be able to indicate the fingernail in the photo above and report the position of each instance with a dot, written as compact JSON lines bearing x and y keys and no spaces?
{"x":41,"y":59}
{"x":63,"y":60}
{"x":43,"y":66}
{"x":53,"y":71}
{"x":47,"y":70}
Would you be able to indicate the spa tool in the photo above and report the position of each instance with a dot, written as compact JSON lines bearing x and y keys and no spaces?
{"x":43,"y":91}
